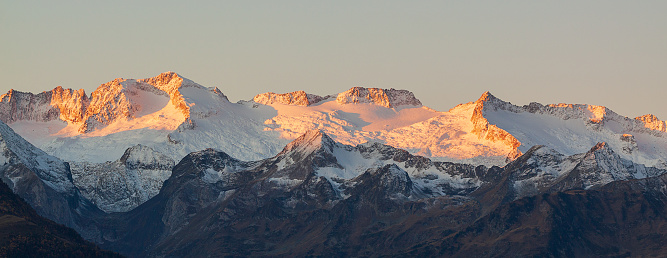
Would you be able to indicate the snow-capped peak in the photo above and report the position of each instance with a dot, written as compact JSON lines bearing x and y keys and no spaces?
{"x":169,"y":82}
{"x":592,"y":113}
{"x":141,"y":155}
{"x":485,"y":130}
{"x":384,"y":97}
{"x":599,"y":146}
{"x":161,"y":102}
{"x":488,"y":103}
{"x":309,"y":142}
{"x":489,"y":100}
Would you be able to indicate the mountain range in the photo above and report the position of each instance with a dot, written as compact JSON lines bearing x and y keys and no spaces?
{"x":166,"y":167}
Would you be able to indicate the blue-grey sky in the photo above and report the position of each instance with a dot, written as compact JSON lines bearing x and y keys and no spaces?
{"x":611,"y":53}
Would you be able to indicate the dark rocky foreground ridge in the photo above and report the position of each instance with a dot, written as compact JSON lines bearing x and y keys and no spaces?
{"x":541,"y":204}
{"x":23,"y":233}
{"x":620,"y":219}
{"x":267,"y":208}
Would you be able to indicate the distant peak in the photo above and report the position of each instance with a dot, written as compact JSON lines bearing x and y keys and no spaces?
{"x":487,"y":94}
{"x":296,"y":98}
{"x":135,"y":150}
{"x":114,"y":84}
{"x":309,"y":142}
{"x":7,"y":96}
{"x":313,"y":134}
{"x":167,"y":81}
{"x":168,"y":73}
{"x":488,"y":97}
{"x":599,"y":146}
{"x":648,"y":118}
{"x":383,"y":97}
{"x":484,"y":130}
{"x":13,"y":92}
{"x":489,"y":102}
{"x":316,"y":136}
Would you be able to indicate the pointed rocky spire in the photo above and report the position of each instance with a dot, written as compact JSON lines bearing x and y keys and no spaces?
{"x":309,"y":142}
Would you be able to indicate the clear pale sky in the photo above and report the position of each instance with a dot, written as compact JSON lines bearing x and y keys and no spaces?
{"x":611,"y":53}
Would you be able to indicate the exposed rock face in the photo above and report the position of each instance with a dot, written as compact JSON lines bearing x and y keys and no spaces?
{"x":483,"y":129}
{"x":394,"y":181}
{"x":110,"y":102}
{"x":630,"y":145}
{"x":71,"y":103}
{"x":16,"y":106}
{"x":64,"y":104}
{"x":126,"y":183}
{"x":389,"y":98}
{"x":171,"y":82}
{"x":310,"y":141}
{"x":114,"y":100}
{"x":297,"y":98}
{"x":652,"y":122}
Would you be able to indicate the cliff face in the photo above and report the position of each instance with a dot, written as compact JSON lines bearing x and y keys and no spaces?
{"x":17,"y":106}
{"x":59,"y":103}
{"x":71,"y":103}
{"x":108,"y":103}
{"x":171,"y":82}
{"x":652,"y":122}
{"x":121,"y":99}
{"x":297,"y":98}
{"x":116,"y":100}
{"x":484,"y":130}
{"x":389,"y":98}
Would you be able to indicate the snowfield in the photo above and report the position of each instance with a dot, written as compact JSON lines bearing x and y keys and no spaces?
{"x":175,"y":116}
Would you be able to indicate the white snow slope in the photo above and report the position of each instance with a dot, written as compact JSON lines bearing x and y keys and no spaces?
{"x":52,"y":171}
{"x":572,"y":129}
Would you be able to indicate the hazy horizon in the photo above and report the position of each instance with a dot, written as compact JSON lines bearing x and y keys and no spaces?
{"x":609,"y":53}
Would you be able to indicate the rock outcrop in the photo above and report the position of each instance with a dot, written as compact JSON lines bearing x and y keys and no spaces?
{"x":296,"y":98}
{"x":483,"y":129}
{"x":126,"y":183}
{"x":59,"y":103}
{"x":110,"y":102}
{"x":652,"y":122}
{"x":389,"y":98}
